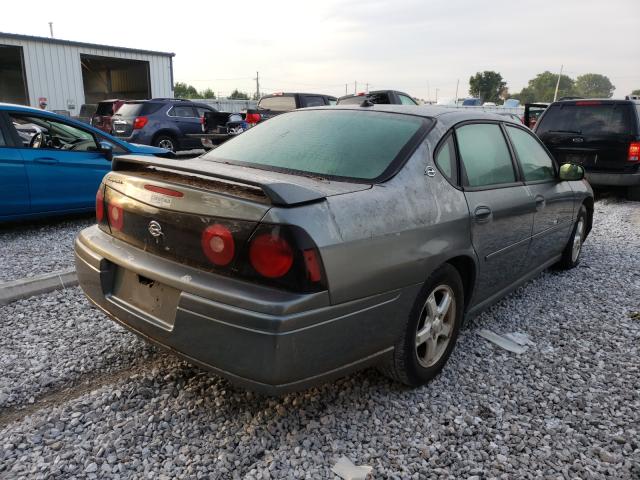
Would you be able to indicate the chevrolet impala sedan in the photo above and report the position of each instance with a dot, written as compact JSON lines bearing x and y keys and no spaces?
{"x":330,"y":239}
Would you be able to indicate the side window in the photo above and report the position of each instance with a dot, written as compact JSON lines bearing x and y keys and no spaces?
{"x":404,"y":100}
{"x":2,"y":142}
{"x":485,"y":155}
{"x":446,"y":160}
{"x":184,"y":111}
{"x":535,"y":162}
{"x":43,"y":132}
{"x":314,"y":101}
{"x":202,"y":111}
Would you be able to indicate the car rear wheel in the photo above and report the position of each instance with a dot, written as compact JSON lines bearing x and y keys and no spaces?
{"x":165,"y":141}
{"x":431,"y":330}
{"x":571,"y":254}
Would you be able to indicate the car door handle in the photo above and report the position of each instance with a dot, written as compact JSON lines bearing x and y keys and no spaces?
{"x":540,"y":202}
{"x":46,"y":160}
{"x":482,"y":214}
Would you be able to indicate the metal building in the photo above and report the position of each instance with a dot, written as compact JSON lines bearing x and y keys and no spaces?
{"x":68,"y":74}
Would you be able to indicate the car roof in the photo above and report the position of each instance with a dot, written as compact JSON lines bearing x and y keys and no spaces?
{"x":24,"y":108}
{"x":447,"y":116}
{"x":285,"y":94}
{"x":595,"y":101}
{"x":364,"y":94}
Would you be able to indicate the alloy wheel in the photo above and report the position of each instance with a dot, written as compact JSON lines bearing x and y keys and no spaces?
{"x":577,"y":240}
{"x":435,"y":325}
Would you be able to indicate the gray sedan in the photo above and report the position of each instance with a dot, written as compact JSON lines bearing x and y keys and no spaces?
{"x":330,"y":239}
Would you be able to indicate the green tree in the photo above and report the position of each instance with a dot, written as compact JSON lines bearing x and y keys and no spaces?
{"x":488,"y":86}
{"x":208,"y":93}
{"x":183,"y":90}
{"x":237,"y":95}
{"x":594,"y":85}
{"x":542,"y":87}
{"x":636,"y":92}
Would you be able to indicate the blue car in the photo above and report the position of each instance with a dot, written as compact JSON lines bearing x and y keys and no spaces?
{"x":52,"y":165}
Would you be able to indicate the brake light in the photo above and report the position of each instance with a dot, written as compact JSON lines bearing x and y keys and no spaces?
{"x":164,"y":191}
{"x":252,"y":117}
{"x":634,"y":152}
{"x":140,"y":122}
{"x":218,"y":244}
{"x":202,"y":120}
{"x":270,"y":255}
{"x":115,"y":214}
{"x":100,"y":204}
{"x":588,"y":102}
{"x":312,"y":263}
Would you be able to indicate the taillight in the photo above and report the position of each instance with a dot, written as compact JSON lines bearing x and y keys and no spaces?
{"x":115,"y":214}
{"x":271,"y":255}
{"x":634,"y":152}
{"x":164,"y":191}
{"x":218,"y":244}
{"x":312,"y":262}
{"x":252,"y":117}
{"x":140,"y":122}
{"x":100,"y":204}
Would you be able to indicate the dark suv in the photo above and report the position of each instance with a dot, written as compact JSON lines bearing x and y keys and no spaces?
{"x":161,"y":122}
{"x":384,"y":97}
{"x":601,"y":135}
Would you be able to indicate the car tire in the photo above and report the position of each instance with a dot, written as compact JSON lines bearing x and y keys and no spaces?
{"x":571,"y":254}
{"x":633,"y":193}
{"x":166,"y":141}
{"x":431,"y":331}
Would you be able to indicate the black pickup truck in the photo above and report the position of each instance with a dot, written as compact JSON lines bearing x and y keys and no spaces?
{"x":383,"y":97}
{"x":218,"y":127}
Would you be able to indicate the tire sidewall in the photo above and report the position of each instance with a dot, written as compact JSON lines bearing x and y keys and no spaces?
{"x":165,"y":137}
{"x":416,"y":373}
{"x":582,"y":214}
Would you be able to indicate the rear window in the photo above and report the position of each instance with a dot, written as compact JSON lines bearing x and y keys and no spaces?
{"x":279,"y":104}
{"x":346,"y":144}
{"x":137,"y":109}
{"x":105,"y":108}
{"x":357,"y":100}
{"x":587,"y":119}
{"x":377,"y":98}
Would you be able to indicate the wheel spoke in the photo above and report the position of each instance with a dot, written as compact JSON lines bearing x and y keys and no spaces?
{"x":445,"y":303}
{"x":432,"y":306}
{"x":432,"y":349}
{"x":445,"y":330}
{"x":423,"y":334}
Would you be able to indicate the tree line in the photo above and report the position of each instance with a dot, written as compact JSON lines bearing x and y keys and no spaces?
{"x":491,"y":87}
{"x":184,"y":90}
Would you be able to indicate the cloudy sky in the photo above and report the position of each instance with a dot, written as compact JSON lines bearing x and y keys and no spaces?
{"x":319,"y":46}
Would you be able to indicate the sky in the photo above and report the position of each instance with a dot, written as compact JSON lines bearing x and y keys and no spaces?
{"x":421,"y":47}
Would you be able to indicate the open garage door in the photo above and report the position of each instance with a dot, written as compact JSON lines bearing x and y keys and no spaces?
{"x":13,"y":85}
{"x":108,"y":77}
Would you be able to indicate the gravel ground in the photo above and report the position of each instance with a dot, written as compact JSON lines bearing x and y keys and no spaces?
{"x":39,"y":247}
{"x":568,"y":407}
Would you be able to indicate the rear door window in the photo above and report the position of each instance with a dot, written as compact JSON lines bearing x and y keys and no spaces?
{"x":485,"y":155}
{"x":314,"y":101}
{"x":587,"y":119}
{"x":2,"y":142}
{"x":105,"y":108}
{"x":183,"y":111}
{"x":535,"y":162}
{"x":330,"y":143}
{"x":404,"y":100}
{"x":446,"y":160}
{"x":279,"y":103}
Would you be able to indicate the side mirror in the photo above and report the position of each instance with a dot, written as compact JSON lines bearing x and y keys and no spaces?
{"x":571,"y":172}
{"x":107,"y":149}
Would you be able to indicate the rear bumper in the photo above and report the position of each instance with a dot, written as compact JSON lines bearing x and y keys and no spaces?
{"x":259,"y":338}
{"x":613,"y":179}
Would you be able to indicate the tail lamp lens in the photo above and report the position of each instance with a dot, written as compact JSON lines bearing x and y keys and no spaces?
{"x":270,"y":255}
{"x":140,"y":122}
{"x":252,"y":118}
{"x":100,"y":204}
{"x":312,"y":263}
{"x":634,"y":152}
{"x":218,"y":244}
{"x":116,"y":217}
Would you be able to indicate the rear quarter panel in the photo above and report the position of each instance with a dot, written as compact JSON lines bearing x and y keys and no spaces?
{"x":390,"y":236}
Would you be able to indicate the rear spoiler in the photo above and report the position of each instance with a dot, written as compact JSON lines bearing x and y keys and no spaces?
{"x":281,"y":194}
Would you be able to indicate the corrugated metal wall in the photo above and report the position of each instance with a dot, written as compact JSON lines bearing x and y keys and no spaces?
{"x":228,"y":105}
{"x":54,"y":71}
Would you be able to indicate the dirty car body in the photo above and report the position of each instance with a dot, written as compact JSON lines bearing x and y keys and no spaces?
{"x":282,"y":274}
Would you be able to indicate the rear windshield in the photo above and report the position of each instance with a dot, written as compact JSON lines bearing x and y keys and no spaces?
{"x":105,"y":108}
{"x":591,"y":119}
{"x":136,"y":109}
{"x":279,"y":103}
{"x":356,"y":145}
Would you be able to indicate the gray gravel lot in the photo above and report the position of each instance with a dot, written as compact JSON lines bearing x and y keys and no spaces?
{"x":569,"y":407}
{"x":39,"y":247}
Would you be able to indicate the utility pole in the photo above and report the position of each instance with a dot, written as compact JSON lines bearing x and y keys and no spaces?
{"x":367,"y":90}
{"x":437,"y":94}
{"x":457,"y":85}
{"x":428,"y":92}
{"x":555,"y":95}
{"x":51,"y":29}
{"x":345,"y":88}
{"x":257,"y":79}
{"x":355,"y":87}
